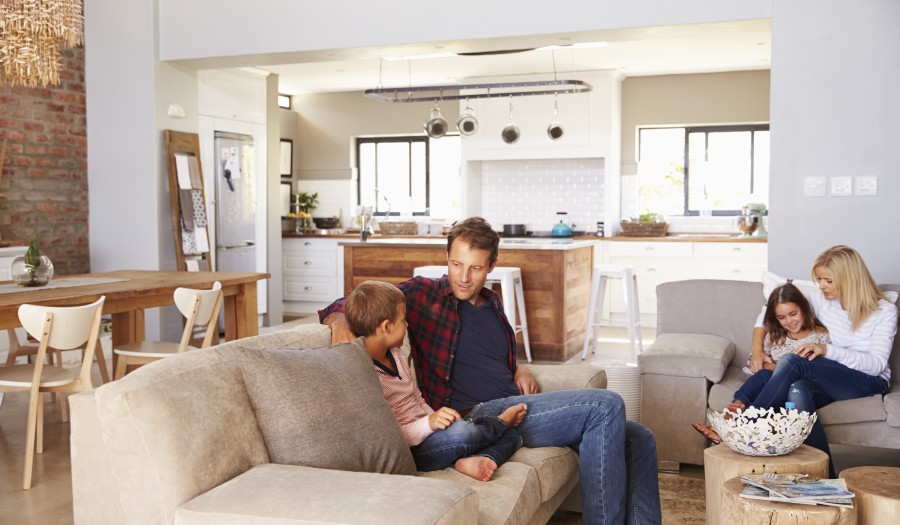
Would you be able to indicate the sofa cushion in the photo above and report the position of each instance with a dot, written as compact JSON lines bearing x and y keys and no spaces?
{"x":555,"y":467}
{"x":722,"y":393}
{"x":511,"y":497}
{"x":687,"y":355}
{"x":302,"y":336}
{"x":287,"y":494}
{"x":324,"y":408}
{"x":892,"y":407}
{"x":860,"y":410}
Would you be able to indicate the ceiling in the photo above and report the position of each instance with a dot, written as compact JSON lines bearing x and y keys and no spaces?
{"x":701,"y":48}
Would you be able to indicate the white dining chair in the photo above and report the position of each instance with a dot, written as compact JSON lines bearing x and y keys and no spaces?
{"x":62,"y":328}
{"x":199,"y":307}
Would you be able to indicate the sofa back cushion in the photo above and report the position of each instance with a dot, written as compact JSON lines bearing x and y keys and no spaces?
{"x":324,"y":408}
{"x":894,"y":360}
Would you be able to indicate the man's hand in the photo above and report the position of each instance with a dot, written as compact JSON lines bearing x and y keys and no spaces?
{"x":340,"y":329}
{"x":443,"y":418}
{"x":525,"y":381}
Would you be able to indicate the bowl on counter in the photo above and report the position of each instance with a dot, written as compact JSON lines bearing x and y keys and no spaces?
{"x":326,"y":223}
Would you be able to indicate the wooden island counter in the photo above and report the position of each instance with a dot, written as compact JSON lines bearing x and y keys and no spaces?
{"x":556,"y":278}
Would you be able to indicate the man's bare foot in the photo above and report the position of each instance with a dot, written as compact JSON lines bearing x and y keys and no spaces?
{"x":480,"y":468}
{"x":707,"y":432}
{"x":514,"y":415}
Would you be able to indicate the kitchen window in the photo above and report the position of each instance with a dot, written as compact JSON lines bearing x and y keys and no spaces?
{"x":703,"y":170}
{"x":411,"y":175}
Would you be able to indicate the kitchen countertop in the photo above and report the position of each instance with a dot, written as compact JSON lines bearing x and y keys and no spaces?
{"x":518,"y":244}
{"x":684,"y":237}
{"x":432,"y":239}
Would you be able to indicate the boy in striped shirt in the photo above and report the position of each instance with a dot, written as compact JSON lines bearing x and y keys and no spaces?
{"x":474,"y":446}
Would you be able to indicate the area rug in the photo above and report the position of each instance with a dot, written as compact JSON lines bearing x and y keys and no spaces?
{"x":683,"y":503}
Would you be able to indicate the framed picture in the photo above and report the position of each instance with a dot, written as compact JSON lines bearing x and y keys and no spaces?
{"x":287,"y":157}
{"x":285,"y":198}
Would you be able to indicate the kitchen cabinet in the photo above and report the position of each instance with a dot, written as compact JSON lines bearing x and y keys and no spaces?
{"x":232,"y":95}
{"x":312,"y":273}
{"x":657,"y":262}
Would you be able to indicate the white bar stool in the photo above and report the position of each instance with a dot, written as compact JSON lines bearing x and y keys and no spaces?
{"x":510,"y":280}
{"x":599,"y":277}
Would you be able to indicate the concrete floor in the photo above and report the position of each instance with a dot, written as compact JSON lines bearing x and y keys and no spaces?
{"x":49,"y":501}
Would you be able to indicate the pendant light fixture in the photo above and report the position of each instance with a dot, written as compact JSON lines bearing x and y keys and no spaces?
{"x":510,"y":133}
{"x":467,"y":123}
{"x":555,"y":130}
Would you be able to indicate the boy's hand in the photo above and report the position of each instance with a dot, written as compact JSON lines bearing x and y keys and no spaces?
{"x":340,"y":329}
{"x":443,"y":418}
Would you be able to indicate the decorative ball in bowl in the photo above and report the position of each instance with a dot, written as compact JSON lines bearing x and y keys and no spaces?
{"x":763,"y":432}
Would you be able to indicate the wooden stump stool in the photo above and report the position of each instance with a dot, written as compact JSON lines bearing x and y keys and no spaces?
{"x":721,"y":464}
{"x":744,"y":511}
{"x":877,"y":492}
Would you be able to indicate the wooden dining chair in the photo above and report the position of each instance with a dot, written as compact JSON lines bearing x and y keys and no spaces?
{"x":63,"y":328}
{"x":199,"y":307}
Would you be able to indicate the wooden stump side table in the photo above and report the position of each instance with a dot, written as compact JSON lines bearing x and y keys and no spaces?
{"x":877,"y":492}
{"x":721,"y":464}
{"x":736,"y":510}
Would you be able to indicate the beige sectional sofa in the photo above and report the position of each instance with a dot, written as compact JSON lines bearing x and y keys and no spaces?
{"x":178,"y":441}
{"x":704,"y":329}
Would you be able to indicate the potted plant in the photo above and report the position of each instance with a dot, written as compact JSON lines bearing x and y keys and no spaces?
{"x":32,"y":269}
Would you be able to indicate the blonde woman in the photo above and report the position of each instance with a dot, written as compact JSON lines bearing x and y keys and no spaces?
{"x":862,"y":323}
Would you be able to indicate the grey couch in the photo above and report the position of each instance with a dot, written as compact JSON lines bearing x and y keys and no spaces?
{"x":704,"y":331}
{"x":178,"y":441}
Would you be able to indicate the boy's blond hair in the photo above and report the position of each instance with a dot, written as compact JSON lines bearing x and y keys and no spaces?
{"x":370,"y":304}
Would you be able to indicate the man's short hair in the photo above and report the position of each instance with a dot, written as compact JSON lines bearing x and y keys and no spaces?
{"x":370,"y":304}
{"x":478,"y":233}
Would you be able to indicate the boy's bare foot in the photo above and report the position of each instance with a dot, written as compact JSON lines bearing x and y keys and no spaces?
{"x":707,"y":432}
{"x":480,"y":468}
{"x":514,"y":415}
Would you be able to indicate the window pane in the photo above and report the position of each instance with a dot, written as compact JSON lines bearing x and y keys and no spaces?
{"x":417,"y":181}
{"x":393,"y":178}
{"x":367,"y":174}
{"x":761,"y":167}
{"x":444,"y":180}
{"x":661,"y":171}
{"x":722,"y":180}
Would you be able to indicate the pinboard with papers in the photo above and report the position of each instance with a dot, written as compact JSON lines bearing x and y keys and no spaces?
{"x":187,"y":201}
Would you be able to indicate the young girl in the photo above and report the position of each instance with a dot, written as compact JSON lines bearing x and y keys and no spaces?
{"x":789,"y":324}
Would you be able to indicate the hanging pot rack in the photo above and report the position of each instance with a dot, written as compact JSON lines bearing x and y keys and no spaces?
{"x":483,"y":90}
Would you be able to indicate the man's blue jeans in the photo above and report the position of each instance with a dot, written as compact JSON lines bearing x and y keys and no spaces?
{"x":814,"y":384}
{"x":617,"y":465}
{"x":481,"y":436}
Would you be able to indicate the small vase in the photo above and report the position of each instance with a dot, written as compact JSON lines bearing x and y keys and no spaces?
{"x":26,"y":275}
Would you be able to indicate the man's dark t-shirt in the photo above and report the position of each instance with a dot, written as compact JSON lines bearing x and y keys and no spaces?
{"x":481,"y":365}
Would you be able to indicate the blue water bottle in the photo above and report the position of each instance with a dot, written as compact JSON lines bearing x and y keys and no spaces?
{"x":789,"y":405}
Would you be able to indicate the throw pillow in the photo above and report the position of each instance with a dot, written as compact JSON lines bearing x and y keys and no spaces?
{"x":324,"y":408}
{"x":771,"y":281}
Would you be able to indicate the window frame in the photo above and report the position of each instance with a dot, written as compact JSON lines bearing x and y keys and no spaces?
{"x":410,"y":139}
{"x":707,"y":129}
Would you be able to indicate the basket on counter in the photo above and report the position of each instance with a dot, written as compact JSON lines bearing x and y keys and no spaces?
{"x":398,"y":227}
{"x":644,"y":229}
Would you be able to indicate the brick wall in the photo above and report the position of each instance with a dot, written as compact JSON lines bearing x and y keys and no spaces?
{"x":44,"y":187}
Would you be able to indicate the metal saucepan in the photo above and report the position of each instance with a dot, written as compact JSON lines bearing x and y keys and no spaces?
{"x":513,"y":230}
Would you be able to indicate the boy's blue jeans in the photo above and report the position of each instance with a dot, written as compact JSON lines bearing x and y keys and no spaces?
{"x":481,"y":436}
{"x":617,"y":464}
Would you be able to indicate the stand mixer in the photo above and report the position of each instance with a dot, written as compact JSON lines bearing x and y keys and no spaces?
{"x":750,"y":222}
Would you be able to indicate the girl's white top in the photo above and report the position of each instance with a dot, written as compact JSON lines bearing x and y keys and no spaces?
{"x":869,"y":347}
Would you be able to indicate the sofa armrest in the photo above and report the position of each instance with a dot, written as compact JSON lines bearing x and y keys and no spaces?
{"x":687,"y":355}
{"x":551,"y":378}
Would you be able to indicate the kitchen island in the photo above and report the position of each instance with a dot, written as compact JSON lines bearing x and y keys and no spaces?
{"x":556,"y":278}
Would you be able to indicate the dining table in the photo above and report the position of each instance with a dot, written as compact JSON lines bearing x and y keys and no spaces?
{"x":130,"y":292}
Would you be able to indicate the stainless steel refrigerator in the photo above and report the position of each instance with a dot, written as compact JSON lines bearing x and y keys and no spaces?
{"x":235,"y":203}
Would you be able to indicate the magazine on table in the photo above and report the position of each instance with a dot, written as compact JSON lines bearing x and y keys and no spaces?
{"x":797,"y":488}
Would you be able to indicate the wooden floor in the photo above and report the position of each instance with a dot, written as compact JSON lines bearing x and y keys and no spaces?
{"x":49,"y":502}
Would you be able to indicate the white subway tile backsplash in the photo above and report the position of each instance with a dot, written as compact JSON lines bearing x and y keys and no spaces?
{"x":533,"y":191}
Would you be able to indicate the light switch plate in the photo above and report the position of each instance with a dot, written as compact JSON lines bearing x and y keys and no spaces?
{"x":814,"y":186}
{"x":866,"y":186}
{"x":841,"y":186}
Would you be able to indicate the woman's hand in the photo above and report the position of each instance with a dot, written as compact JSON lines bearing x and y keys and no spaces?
{"x":758,"y":357}
{"x":443,"y":418}
{"x":812,"y":350}
{"x":760,"y":361}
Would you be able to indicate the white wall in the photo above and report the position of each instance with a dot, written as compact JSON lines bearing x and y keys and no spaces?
{"x":231,"y":28}
{"x":835,"y":112}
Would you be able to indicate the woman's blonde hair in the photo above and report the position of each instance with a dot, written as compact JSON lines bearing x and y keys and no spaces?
{"x":858,"y":292}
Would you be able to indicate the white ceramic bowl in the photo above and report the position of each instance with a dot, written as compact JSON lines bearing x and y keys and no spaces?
{"x":757,"y":432}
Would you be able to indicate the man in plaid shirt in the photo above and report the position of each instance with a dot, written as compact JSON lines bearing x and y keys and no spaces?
{"x":464,"y":352}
